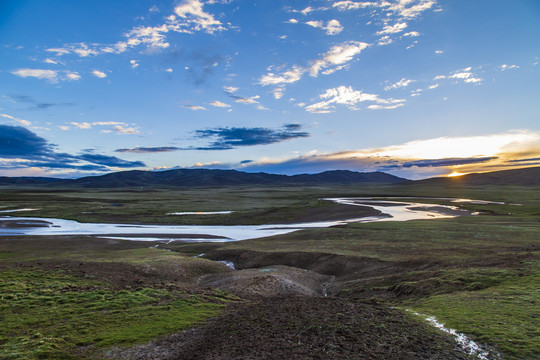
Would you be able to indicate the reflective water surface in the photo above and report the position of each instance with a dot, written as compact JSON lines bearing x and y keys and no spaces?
{"x":391,"y":211}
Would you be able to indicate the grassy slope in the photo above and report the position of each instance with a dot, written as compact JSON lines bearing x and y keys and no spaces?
{"x":52,"y":310}
{"x":477,"y":274}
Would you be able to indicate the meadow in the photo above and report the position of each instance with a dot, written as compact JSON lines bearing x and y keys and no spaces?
{"x":80,"y":296}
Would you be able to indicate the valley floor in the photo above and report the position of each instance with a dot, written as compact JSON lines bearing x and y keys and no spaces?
{"x":81,"y":297}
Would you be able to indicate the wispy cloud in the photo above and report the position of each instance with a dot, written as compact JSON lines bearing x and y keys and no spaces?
{"x":16,"y":120}
{"x":393,"y":29}
{"x":333,"y":60}
{"x":99,"y":74}
{"x":345,"y":95}
{"x":504,"y":67}
{"x":219,"y":104}
{"x":83,"y":125}
{"x":336,"y":58}
{"x":401,"y":83}
{"x":189,"y":17}
{"x":229,"y":90}
{"x":466,"y":75}
{"x":194,"y":107}
{"x":53,"y":76}
{"x":408,"y":9}
{"x":333,"y":27}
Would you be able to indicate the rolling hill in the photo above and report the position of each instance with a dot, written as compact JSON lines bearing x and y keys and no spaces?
{"x":206,"y":177}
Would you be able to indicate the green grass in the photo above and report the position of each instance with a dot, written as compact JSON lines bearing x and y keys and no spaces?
{"x":57,"y":316}
{"x":506,"y":314}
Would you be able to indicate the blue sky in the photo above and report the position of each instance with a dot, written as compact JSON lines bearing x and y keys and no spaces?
{"x":416,"y":88}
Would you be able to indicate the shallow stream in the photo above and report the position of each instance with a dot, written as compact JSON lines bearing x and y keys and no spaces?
{"x":391,"y":211}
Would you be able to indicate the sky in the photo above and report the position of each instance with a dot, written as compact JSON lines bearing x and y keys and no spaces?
{"x":414,"y":88}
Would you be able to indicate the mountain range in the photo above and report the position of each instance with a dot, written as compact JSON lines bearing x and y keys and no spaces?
{"x":209,"y":178}
{"x":206,"y":177}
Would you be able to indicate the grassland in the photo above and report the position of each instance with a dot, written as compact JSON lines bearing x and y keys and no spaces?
{"x":477,"y":274}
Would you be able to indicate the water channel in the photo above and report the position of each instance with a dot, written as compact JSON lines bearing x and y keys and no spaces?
{"x":390,"y":211}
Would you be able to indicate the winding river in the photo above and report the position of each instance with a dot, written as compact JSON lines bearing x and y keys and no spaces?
{"x":391,"y":211}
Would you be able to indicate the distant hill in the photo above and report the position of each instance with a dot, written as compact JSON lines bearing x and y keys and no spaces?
{"x":206,"y":177}
{"x":523,"y":177}
{"x":27,"y":180}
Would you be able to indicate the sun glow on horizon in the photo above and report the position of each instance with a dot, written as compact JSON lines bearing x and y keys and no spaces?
{"x":456,"y":174}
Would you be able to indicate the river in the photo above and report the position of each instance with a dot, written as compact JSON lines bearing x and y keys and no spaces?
{"x":391,"y":211}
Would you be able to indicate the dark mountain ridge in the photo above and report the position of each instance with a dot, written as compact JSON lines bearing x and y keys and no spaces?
{"x":206,"y":177}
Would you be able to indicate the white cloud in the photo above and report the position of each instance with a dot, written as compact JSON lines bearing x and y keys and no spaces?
{"x":438,"y":52}
{"x":192,"y":13}
{"x":169,"y":70}
{"x":466,"y":75}
{"x":134,"y":63}
{"x":124,"y":130}
{"x":401,"y":83}
{"x":63,"y":127}
{"x":20,"y":121}
{"x":352,"y":5}
{"x":7,"y":116}
{"x":73,"y":76}
{"x":230,"y":89}
{"x":52,"y":76}
{"x":59,"y":51}
{"x":83,"y":125}
{"x":402,"y":8}
{"x":250,"y":100}
{"x":385,"y":40}
{"x":154,"y":8}
{"x":333,"y":27}
{"x":105,"y":123}
{"x":504,"y":67}
{"x":99,"y":74}
{"x":50,"y":61}
{"x":194,"y":107}
{"x":279,"y":92}
{"x":434,"y":86}
{"x":287,"y":77}
{"x":345,"y":95}
{"x":189,"y":17}
{"x":473,"y":80}
{"x":393,"y":29}
{"x":334,"y":60}
{"x":293,"y":21}
{"x":337,"y":55}
{"x":412,"y":34}
{"x":219,"y":104}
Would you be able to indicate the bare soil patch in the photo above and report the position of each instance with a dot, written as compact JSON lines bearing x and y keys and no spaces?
{"x":302,"y":328}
